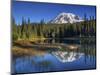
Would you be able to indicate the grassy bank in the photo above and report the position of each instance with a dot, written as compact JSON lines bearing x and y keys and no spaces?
{"x":25,"y":47}
{"x":36,"y":46}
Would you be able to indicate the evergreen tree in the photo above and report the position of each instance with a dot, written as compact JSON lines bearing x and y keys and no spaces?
{"x":14,"y":29}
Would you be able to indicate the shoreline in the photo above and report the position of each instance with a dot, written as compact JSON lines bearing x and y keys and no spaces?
{"x":21,"y":48}
{"x":36,"y":47}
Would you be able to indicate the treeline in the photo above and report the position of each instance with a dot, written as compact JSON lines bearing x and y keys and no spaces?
{"x":27,"y":30}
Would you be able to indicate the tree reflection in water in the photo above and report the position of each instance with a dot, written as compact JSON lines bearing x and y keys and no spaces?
{"x":40,"y":63}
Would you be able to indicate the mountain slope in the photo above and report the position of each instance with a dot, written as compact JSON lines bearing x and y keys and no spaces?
{"x":66,"y":18}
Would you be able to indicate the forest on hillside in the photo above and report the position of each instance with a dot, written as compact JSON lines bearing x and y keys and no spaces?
{"x":28,"y":30}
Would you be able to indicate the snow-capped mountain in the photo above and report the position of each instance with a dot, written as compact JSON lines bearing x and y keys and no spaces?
{"x":66,"y":18}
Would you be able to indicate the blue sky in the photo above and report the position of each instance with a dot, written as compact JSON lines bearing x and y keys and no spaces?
{"x":47,"y":11}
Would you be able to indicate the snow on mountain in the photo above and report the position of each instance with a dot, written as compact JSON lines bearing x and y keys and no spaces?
{"x":66,"y":18}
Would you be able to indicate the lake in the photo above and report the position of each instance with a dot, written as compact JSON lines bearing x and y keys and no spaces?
{"x":83,"y":58}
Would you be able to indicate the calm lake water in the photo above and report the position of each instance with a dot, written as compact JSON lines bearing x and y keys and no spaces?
{"x":84,"y":58}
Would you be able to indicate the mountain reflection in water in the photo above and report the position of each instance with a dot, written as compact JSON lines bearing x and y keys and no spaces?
{"x":65,"y":56}
{"x":55,"y":60}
